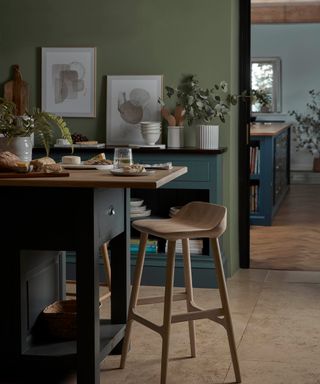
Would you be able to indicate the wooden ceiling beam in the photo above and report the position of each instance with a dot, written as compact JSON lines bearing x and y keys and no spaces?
{"x":285,"y":12}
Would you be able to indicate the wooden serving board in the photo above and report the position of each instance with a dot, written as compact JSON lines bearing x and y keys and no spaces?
{"x":16,"y":90}
{"x":15,"y":175}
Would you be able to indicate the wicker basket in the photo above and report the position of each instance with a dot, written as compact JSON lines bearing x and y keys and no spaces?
{"x":58,"y":320}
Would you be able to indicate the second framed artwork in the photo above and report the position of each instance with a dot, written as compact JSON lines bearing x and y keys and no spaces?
{"x":130,"y":100}
{"x":69,"y":81}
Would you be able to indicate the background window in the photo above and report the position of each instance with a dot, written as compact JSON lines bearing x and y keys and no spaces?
{"x":265,"y":85}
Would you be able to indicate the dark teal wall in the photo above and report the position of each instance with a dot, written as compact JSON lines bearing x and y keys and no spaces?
{"x":168,"y":37}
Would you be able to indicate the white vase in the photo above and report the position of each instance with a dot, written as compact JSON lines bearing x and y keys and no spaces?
{"x":175,"y":137}
{"x":20,"y":146}
{"x":208,"y":136}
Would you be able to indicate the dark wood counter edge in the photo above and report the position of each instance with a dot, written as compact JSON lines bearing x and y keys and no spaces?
{"x":187,"y":150}
{"x":144,"y":182}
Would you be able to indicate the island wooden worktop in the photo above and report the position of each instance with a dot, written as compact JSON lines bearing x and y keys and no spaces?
{"x":99,"y":179}
{"x":267,"y":129}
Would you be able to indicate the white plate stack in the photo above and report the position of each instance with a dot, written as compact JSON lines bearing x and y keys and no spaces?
{"x":151,"y":131}
{"x":173,"y":211}
{"x":137,"y":209}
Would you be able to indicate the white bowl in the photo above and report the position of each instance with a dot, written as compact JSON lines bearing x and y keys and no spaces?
{"x":151,"y":137}
{"x":151,"y":130}
{"x":150,"y":127}
{"x":150,"y":123}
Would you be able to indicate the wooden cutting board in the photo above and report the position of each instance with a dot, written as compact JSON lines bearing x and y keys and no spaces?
{"x":14,"y":175}
{"x":16,"y":90}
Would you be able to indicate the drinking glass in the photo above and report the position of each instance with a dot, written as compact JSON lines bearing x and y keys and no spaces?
{"x":122,"y":157}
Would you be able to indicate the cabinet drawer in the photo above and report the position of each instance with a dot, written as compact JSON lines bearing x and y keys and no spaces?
{"x":197,"y":170}
{"x":109,"y":212}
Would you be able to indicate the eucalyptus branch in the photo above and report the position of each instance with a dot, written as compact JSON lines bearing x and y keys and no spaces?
{"x":201,"y":104}
{"x":307,"y":126}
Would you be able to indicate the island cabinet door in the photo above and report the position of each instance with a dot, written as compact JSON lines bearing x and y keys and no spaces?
{"x":42,"y":223}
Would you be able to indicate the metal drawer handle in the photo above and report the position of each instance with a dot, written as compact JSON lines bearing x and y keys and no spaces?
{"x":110,"y":211}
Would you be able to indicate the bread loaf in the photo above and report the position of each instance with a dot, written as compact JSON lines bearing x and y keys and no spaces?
{"x":99,"y":159}
{"x":38,"y":164}
{"x":50,"y":168}
{"x":8,"y":161}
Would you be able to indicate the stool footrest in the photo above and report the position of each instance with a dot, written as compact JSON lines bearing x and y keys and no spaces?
{"x":146,"y":323}
{"x":212,"y":314}
{"x":160,"y":299}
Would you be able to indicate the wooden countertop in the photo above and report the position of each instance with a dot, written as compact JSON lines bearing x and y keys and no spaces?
{"x":110,"y":148}
{"x":99,"y":179}
{"x":267,"y":129}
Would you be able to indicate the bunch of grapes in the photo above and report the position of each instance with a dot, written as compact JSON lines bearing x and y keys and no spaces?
{"x":78,"y":137}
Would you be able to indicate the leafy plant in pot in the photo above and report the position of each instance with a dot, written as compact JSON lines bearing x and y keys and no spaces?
{"x":16,"y":130}
{"x":307,"y":128}
{"x":203,"y":107}
{"x":260,"y":101}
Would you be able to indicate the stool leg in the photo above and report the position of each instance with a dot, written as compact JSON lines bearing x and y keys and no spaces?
{"x":189,"y":291}
{"x":167,"y":310}
{"x":134,"y":296}
{"x":225,"y":306}
{"x":106,"y":263}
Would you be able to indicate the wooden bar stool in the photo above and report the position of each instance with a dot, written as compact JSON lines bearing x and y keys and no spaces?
{"x":194,"y":220}
{"x":107,"y":271}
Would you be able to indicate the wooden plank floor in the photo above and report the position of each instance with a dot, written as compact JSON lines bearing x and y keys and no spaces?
{"x":293,"y":240}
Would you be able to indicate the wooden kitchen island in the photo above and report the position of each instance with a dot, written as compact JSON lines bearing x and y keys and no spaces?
{"x":40,"y":217}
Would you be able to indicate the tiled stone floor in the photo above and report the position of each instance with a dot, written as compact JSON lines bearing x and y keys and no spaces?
{"x":276,"y":317}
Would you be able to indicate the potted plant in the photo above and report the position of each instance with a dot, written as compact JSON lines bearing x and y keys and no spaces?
{"x":16,"y":130}
{"x":307,"y":128}
{"x":203,"y":107}
{"x":260,"y":100}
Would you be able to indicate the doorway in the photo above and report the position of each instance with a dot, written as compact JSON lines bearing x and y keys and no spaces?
{"x":297,"y":238}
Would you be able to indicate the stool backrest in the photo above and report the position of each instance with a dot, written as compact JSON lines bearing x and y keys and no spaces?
{"x":209,"y":217}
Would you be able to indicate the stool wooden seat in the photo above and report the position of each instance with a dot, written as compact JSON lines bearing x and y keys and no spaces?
{"x":194,"y":220}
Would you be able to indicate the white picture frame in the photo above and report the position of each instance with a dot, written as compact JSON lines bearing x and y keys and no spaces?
{"x":130,"y":100}
{"x":68,"y":81}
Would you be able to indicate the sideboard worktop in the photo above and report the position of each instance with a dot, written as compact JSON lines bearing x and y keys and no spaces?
{"x":267,"y":129}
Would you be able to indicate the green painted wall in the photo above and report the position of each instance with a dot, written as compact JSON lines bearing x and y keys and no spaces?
{"x":168,"y":37}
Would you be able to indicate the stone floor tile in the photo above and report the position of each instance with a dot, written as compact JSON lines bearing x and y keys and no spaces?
{"x":281,"y":339}
{"x":263,"y":372}
{"x":311,"y":277}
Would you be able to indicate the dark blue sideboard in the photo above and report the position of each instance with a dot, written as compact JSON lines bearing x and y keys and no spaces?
{"x":270,"y":170}
{"x":203,"y":182}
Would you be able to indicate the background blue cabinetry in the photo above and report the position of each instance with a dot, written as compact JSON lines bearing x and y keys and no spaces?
{"x":203,"y":182}
{"x":270,"y":172}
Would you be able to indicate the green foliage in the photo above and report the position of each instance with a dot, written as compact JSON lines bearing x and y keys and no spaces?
{"x":258,"y":98}
{"x":202,"y":104}
{"x":40,"y":123}
{"x":261,"y":96}
{"x":307,"y":127}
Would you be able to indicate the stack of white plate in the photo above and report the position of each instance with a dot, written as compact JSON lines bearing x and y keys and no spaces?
{"x":173,"y":211}
{"x":151,"y":131}
{"x":137,"y":209}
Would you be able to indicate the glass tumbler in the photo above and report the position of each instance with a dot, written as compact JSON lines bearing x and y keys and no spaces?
{"x":122,"y":157}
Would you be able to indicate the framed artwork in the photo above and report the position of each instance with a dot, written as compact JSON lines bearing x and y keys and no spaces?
{"x":69,"y":81}
{"x":130,"y":100}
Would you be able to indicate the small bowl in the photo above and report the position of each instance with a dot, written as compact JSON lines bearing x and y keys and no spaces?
{"x":148,"y":123}
{"x":151,"y":137}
